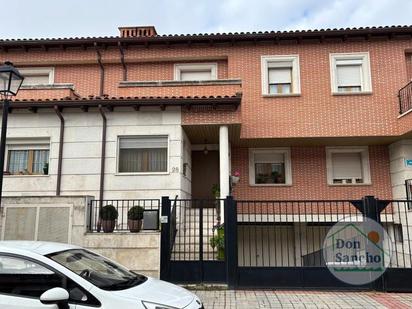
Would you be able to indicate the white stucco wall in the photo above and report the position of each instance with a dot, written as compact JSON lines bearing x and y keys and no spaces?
{"x":398,"y":153}
{"x":139,"y":252}
{"x":82,"y":149}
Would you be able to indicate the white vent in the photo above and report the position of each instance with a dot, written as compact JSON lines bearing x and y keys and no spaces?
{"x":20,"y":223}
{"x":54,"y":224}
{"x":46,"y":223}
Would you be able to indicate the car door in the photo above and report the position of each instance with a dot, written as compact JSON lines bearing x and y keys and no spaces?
{"x":23,"y":280}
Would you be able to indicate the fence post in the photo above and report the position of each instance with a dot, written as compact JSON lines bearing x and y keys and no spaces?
{"x":165,"y":239}
{"x":370,"y":207}
{"x":89,"y":220}
{"x":231,"y":241}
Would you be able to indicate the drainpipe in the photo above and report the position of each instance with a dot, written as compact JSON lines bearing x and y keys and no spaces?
{"x":99,"y":61}
{"x":103,"y":154}
{"x":122,"y":61}
{"x":60,"y":158}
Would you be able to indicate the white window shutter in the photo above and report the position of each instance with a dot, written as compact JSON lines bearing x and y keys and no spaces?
{"x":280,"y":75}
{"x":349,"y":75}
{"x":143,"y":142}
{"x":196,"y":75}
{"x":269,"y":157}
{"x":280,"y":64}
{"x":347,"y":165}
{"x":30,"y":80}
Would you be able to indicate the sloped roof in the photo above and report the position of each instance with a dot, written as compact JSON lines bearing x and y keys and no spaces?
{"x":106,"y":101}
{"x":367,"y":32}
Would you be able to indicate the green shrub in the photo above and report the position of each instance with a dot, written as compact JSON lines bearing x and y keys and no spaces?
{"x":218,"y":241}
{"x":216,"y":190}
{"x":108,"y":212}
{"x":135,"y":213}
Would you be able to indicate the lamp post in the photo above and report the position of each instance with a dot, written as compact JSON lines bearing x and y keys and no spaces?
{"x":10,"y":82}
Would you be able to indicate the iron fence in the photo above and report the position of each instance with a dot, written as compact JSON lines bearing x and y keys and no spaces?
{"x":292,"y":233}
{"x":405,"y":98}
{"x":194,"y":229}
{"x":150,"y":214}
{"x":408,"y":187}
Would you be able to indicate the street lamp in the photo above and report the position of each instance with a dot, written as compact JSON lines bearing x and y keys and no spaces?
{"x":10,"y":82}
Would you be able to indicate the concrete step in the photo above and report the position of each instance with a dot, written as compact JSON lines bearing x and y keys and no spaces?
{"x":206,"y":246}
{"x":194,"y":234}
{"x":193,"y":256}
{"x":195,"y":230}
{"x":195,"y":226}
{"x":210,"y":221}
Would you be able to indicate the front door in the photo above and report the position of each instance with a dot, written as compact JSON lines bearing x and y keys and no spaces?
{"x":205,"y":173}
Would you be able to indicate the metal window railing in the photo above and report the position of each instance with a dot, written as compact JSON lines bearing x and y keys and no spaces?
{"x":405,"y":98}
{"x":150,"y":214}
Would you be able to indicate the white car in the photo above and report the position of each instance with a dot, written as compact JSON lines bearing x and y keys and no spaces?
{"x":39,"y":275}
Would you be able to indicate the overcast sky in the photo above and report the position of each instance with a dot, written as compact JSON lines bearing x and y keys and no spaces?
{"x":69,"y":18}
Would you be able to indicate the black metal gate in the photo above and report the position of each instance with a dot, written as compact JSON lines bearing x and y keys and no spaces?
{"x":279,"y":243}
{"x":275,"y":244}
{"x":192,"y":248}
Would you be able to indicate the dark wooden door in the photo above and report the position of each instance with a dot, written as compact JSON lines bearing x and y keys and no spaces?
{"x":205,"y":173}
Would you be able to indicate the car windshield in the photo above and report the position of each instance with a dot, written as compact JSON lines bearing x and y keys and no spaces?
{"x":96,"y":269}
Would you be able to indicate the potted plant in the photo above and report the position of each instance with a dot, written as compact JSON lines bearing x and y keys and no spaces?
{"x":46,"y":169}
{"x":135,"y":218}
{"x":235,"y":177}
{"x":218,"y":242}
{"x":108,"y":215}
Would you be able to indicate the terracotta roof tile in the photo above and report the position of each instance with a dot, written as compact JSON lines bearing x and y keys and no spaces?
{"x":134,"y":98}
{"x":217,"y":36}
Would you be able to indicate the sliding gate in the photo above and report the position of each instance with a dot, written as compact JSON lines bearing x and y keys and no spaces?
{"x":275,"y":244}
{"x":192,"y":241}
{"x":280,"y":243}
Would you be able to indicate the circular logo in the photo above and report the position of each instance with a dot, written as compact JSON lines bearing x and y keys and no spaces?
{"x":357,"y":250}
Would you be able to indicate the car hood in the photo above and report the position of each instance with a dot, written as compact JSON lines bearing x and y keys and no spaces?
{"x":159,"y":292}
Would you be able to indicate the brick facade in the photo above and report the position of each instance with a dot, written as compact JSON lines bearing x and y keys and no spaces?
{"x":315,"y":114}
{"x":309,"y":179}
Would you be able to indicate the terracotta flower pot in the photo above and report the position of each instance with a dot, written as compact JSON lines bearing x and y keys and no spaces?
{"x":108,"y":225}
{"x":235,"y":179}
{"x":134,"y":225}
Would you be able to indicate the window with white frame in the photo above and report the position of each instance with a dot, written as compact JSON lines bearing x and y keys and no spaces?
{"x":31,"y":158}
{"x":143,"y":154}
{"x":37,"y":76}
{"x":348,"y":165}
{"x":195,"y":71}
{"x":270,"y":166}
{"x":280,"y":75}
{"x":350,"y":73}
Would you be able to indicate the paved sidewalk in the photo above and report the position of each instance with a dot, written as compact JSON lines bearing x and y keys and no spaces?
{"x":246,"y":299}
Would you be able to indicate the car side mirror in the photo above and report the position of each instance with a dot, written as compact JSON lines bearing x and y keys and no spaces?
{"x":56,"y":296}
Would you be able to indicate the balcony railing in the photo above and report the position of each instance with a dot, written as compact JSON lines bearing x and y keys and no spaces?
{"x":405,"y":98}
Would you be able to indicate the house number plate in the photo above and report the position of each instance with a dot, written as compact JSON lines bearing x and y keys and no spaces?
{"x":164,"y":219}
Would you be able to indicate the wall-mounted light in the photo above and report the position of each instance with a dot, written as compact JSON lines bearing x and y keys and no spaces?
{"x":205,"y":150}
{"x":185,"y":165}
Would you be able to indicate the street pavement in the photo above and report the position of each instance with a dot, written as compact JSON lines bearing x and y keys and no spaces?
{"x":250,"y":299}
